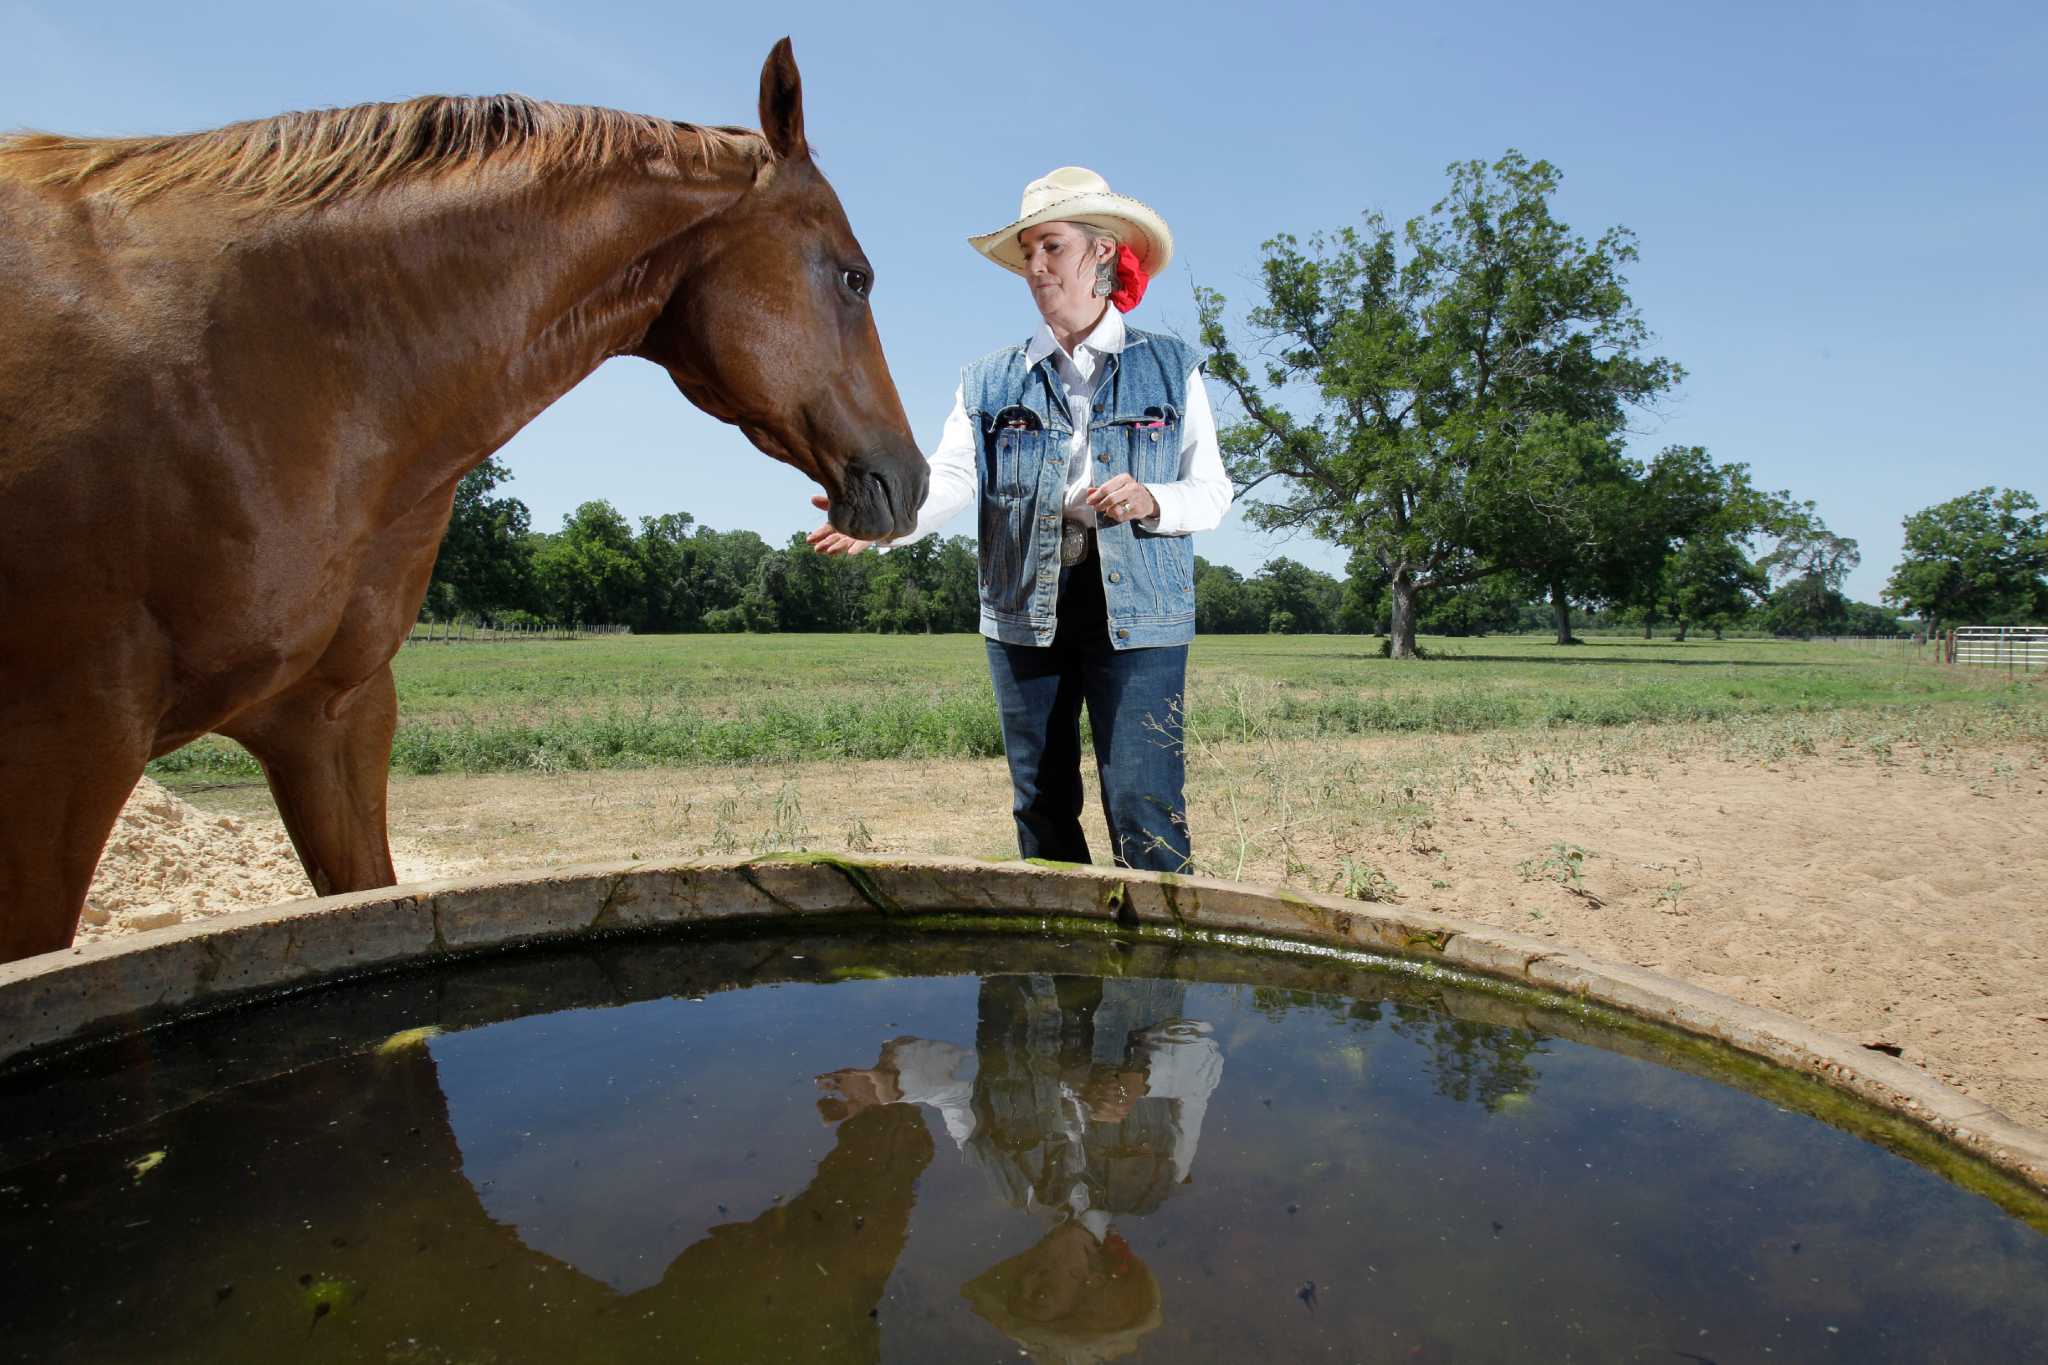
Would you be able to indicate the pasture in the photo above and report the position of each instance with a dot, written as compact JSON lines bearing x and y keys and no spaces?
{"x":717,"y":699}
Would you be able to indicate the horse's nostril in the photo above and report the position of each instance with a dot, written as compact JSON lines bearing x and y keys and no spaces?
{"x":880,"y":490}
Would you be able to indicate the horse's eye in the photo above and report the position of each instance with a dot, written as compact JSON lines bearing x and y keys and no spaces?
{"x":859,"y":281}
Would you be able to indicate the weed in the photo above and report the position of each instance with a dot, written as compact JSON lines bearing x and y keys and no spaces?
{"x":723,"y":839}
{"x":1562,"y":865}
{"x":788,"y":833}
{"x":1361,"y":881}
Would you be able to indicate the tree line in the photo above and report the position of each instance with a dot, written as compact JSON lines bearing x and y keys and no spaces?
{"x":1450,"y":403}
{"x":669,"y":574}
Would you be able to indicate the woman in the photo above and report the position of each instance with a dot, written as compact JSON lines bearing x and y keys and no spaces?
{"x":1090,"y":450}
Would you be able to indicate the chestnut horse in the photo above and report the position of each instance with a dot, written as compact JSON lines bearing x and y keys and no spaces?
{"x":244,"y":370}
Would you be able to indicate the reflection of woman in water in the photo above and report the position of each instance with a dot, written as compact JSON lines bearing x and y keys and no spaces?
{"x":1086,"y":1103}
{"x":1070,"y":1298}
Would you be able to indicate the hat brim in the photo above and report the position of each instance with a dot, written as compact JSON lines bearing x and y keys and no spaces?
{"x":1134,"y":223}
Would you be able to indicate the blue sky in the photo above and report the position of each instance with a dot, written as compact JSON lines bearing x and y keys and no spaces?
{"x":1842,"y":208}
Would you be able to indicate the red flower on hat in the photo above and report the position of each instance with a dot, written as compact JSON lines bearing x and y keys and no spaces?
{"x":1130,"y":280}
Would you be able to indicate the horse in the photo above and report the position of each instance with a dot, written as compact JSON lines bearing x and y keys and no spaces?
{"x":245,"y":370}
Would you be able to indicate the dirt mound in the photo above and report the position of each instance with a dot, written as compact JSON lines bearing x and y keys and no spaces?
{"x":167,"y":862}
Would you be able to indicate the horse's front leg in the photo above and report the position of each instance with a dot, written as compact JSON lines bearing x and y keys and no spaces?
{"x":65,"y":771}
{"x":327,"y":752}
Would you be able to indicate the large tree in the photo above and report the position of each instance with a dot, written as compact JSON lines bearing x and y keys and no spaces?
{"x":1979,"y":559}
{"x":1868,"y":620}
{"x":1708,"y":581}
{"x":1809,"y":563}
{"x":725,"y":566}
{"x":588,"y":572}
{"x":1496,"y":603}
{"x":1806,"y":607}
{"x":1465,"y":404}
{"x":1688,"y":560}
{"x":821,"y":592}
{"x":926,"y":586}
{"x":1224,"y":603}
{"x":670,"y":567}
{"x":1298,"y":600}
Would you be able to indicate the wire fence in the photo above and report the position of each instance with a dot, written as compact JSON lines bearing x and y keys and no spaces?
{"x":478,"y":632}
{"x":1910,"y":648}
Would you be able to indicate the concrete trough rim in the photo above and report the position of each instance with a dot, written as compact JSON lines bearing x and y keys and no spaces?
{"x":90,"y":992}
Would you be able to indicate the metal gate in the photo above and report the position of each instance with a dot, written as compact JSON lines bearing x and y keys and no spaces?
{"x":2012,"y":647}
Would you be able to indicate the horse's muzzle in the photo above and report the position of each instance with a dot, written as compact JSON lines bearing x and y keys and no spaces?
{"x":879,"y":496}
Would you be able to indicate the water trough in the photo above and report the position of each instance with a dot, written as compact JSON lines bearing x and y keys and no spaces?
{"x":607,"y":937}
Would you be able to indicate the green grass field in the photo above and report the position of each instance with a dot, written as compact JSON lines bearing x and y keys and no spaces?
{"x":670,"y":700}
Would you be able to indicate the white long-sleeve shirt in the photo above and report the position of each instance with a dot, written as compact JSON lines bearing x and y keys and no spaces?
{"x":1196,"y":501}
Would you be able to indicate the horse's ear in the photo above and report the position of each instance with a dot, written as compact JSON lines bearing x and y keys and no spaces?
{"x":782,"y":104}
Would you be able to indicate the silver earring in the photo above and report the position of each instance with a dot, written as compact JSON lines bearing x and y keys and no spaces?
{"x":1105,"y":279}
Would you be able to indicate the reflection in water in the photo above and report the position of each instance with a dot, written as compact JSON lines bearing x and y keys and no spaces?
{"x":1476,"y":1053}
{"x":1085,"y":1104}
{"x":801,"y":1281}
{"x":1071,"y":1297}
{"x":1398,"y":1170}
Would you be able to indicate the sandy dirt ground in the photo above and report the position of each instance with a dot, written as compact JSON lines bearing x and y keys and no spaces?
{"x":168,"y":862}
{"x":1899,"y":902}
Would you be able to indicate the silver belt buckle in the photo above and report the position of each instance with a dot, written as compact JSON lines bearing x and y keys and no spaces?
{"x":1073,"y":543}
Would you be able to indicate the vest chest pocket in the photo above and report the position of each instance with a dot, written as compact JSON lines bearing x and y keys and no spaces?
{"x":1015,"y":449}
{"x":1150,"y":447}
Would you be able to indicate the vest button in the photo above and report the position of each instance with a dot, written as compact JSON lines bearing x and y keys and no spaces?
{"x":1155,"y":436}
{"x":1115,"y":577}
{"x":1123,"y":635}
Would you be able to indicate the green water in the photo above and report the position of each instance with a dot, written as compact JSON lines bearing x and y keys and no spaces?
{"x":974,"y":1148}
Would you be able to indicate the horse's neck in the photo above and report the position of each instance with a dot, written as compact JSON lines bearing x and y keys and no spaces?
{"x":490,"y":305}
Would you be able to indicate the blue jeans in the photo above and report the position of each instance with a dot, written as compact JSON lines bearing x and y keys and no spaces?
{"x":1133,"y":698}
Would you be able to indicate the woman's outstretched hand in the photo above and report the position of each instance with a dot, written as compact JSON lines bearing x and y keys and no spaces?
{"x":1123,"y":498}
{"x":827,"y":541}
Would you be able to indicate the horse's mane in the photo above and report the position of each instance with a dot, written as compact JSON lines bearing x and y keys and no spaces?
{"x":304,"y":159}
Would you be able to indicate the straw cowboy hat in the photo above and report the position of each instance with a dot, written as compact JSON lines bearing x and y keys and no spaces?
{"x":1075,"y":194}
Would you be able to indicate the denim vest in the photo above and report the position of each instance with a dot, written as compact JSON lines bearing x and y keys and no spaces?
{"x":1022,"y":427}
